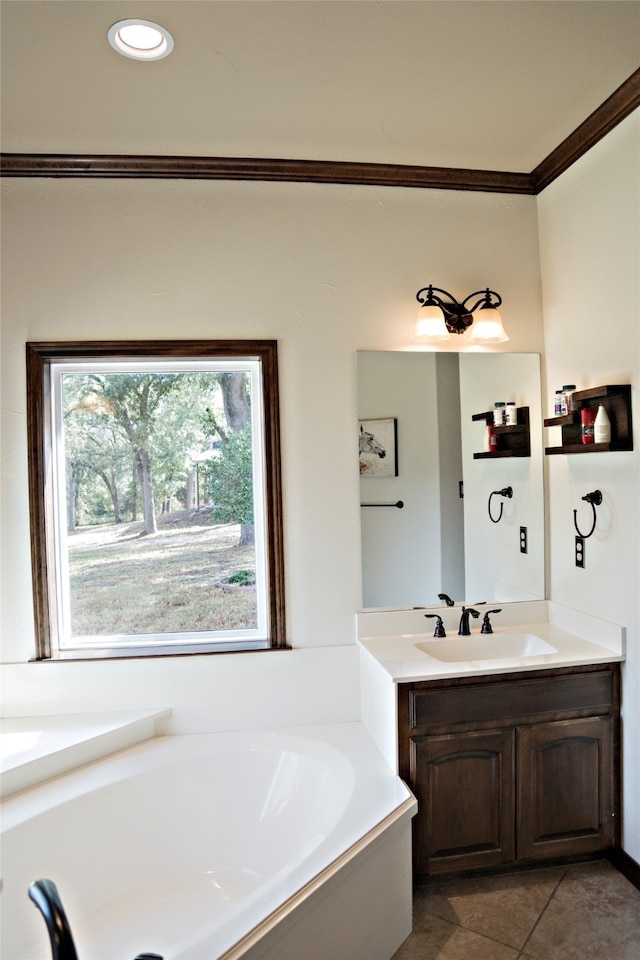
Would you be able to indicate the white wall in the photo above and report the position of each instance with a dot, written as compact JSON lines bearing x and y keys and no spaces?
{"x":326,"y":270}
{"x":590,"y":256}
{"x":401,"y":553}
{"x":495,"y":569}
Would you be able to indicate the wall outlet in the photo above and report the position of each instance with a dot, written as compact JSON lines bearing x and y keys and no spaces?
{"x":523,"y":539}
{"x":580,"y":552}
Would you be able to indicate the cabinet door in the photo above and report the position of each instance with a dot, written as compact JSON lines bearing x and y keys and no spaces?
{"x":464,"y":787}
{"x":565,"y":788}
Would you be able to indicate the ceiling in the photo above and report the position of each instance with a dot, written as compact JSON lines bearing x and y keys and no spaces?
{"x":485,"y":85}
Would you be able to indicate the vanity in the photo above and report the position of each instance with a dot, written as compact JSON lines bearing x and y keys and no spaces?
{"x":509,"y":741}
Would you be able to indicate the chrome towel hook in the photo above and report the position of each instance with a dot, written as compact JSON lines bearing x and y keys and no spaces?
{"x":595,"y":499}
{"x":505,"y":492}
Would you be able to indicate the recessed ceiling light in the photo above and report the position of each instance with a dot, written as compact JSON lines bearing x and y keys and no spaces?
{"x":140,"y":39}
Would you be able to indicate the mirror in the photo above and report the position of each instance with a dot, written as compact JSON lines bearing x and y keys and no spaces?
{"x":444,"y":539}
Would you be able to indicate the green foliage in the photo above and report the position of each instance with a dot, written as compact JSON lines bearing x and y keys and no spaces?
{"x":111,"y":420}
{"x":131,"y":436}
{"x":230,"y":479}
{"x":244,"y":578}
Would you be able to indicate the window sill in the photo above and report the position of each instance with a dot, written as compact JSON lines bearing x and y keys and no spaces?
{"x":150,"y":652}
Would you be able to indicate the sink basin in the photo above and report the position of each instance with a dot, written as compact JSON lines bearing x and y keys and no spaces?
{"x":492,"y":646}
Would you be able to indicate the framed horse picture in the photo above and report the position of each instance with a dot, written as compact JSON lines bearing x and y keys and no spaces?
{"x":378,"y":445}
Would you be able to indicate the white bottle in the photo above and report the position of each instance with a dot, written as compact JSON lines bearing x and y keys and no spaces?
{"x":498,"y":413}
{"x":602,"y":426}
{"x":512,"y":413}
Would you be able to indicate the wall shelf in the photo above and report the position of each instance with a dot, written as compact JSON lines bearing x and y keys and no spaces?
{"x":616,"y":399}
{"x":513,"y":439}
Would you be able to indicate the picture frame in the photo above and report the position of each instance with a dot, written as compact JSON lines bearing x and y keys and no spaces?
{"x":378,"y":447}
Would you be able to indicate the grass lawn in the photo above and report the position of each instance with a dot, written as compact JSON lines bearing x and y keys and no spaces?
{"x":173,"y":581}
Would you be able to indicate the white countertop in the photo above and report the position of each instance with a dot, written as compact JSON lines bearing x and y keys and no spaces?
{"x":577,"y":638}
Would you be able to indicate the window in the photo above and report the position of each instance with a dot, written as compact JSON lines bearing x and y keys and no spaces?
{"x":155,"y":496}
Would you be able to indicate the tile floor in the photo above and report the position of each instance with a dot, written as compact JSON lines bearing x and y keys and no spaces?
{"x":586,"y":911}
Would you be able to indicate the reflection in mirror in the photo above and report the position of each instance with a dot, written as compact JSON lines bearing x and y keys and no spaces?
{"x":443,"y":541}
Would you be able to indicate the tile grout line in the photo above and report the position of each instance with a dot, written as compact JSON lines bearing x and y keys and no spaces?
{"x":483,"y":936}
{"x":541,"y":914}
{"x":491,"y":939}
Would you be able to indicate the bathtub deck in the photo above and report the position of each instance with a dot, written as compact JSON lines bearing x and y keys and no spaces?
{"x":34,"y":749}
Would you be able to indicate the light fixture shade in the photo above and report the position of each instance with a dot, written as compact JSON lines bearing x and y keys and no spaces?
{"x":430,"y":325}
{"x":487,"y":328}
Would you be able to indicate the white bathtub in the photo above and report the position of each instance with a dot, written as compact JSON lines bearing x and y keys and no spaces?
{"x":291,"y":844}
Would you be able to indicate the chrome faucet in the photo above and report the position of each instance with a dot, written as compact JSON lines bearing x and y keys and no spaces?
{"x":463,"y":629}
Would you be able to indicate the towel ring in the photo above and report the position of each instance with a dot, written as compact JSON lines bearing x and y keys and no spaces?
{"x":505,"y":492}
{"x":595,"y":499}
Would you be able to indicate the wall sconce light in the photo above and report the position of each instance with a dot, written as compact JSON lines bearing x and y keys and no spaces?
{"x":440,"y":316}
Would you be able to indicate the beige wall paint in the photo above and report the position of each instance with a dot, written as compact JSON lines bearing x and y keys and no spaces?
{"x":590,"y":255}
{"x":326,"y":270}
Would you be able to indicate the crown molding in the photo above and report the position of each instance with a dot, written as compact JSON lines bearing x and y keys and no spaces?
{"x":618,"y":106}
{"x":249,"y":168}
{"x":608,"y":115}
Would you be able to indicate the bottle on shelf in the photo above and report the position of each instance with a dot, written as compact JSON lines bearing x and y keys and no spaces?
{"x":557,"y":404}
{"x":512,"y":413}
{"x":602,"y":426}
{"x":587,"y":418}
{"x":498,"y":413}
{"x":566,"y":399}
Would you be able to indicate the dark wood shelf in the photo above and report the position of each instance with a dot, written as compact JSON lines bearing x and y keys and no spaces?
{"x":513,"y":438}
{"x":564,"y":421}
{"x":487,"y":416}
{"x":500,"y":453}
{"x":616,"y":399}
{"x":585,"y":448}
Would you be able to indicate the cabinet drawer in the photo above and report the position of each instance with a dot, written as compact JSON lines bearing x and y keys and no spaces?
{"x":515,"y":700}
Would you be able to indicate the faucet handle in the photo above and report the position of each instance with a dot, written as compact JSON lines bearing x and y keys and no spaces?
{"x":446,"y":599}
{"x":439,"y":630}
{"x":486,"y":623}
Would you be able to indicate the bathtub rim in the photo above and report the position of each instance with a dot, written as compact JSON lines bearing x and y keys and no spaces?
{"x":371,"y":840}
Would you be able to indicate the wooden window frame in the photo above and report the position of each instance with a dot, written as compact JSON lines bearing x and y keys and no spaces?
{"x":40,"y":356}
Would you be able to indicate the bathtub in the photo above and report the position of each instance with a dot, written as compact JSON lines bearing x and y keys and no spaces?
{"x":277,"y":845}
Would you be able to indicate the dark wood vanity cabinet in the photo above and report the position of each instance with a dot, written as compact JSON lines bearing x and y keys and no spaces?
{"x":513,"y":769}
